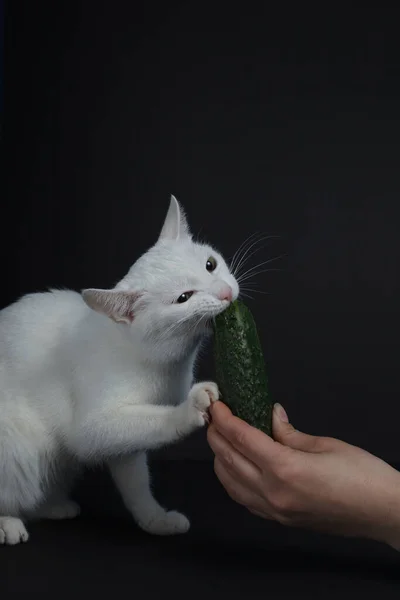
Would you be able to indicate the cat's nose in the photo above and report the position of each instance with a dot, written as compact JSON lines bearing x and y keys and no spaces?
{"x":225,"y":293}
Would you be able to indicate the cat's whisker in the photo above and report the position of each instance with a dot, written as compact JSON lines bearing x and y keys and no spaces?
{"x":241,"y":247}
{"x":246,"y":256}
{"x":245,"y":248}
{"x":255,"y":283}
{"x":252,"y":269}
{"x":202,"y":318}
{"x":177,"y":325}
{"x":255,"y":273}
{"x":245,"y":295}
{"x":261,"y":283}
{"x":261,"y":264}
{"x":254,"y":252}
{"x":233,"y":260}
{"x":255,"y":291}
{"x":243,"y":262}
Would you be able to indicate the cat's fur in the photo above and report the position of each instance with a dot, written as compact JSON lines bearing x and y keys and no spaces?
{"x":105,"y":376}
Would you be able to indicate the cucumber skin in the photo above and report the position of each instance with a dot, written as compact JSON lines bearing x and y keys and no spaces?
{"x":240,"y":368}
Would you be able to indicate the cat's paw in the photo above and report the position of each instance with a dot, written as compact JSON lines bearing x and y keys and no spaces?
{"x":201,"y":396}
{"x":66,"y":509}
{"x":194,"y":411}
{"x":165,"y":523}
{"x":12,"y":531}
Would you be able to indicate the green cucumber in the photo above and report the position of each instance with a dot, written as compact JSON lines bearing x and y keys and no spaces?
{"x":240,"y":368}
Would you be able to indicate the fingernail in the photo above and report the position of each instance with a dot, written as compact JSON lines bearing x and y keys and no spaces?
{"x":281,"y":412}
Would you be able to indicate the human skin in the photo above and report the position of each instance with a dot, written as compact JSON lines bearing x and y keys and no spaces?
{"x":306,"y":481}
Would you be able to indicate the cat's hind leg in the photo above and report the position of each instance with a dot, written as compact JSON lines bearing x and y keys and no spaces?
{"x":58,"y":505}
{"x":24,"y":455}
{"x":58,"y":508}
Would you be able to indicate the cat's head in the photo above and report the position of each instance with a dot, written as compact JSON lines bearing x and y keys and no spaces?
{"x":176,"y":287}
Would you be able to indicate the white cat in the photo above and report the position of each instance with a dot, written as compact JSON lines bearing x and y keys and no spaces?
{"x":104,"y":377}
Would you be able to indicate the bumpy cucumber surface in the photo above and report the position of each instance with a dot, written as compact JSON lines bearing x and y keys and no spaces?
{"x":240,"y":367}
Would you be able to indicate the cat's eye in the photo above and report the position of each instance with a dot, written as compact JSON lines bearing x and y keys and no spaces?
{"x":211,"y":264}
{"x":184,"y":297}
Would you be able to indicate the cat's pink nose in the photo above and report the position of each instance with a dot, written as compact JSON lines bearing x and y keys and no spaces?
{"x":225,"y":294}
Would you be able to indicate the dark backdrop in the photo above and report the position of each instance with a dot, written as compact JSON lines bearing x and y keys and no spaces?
{"x":280,"y":120}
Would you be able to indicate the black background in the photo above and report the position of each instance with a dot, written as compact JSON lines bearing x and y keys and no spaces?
{"x":278,"y":118}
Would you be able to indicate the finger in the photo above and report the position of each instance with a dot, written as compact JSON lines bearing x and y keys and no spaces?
{"x":286,"y":434}
{"x":258,"y":513}
{"x":236,"y":490}
{"x":238,"y":464}
{"x":249,"y":441}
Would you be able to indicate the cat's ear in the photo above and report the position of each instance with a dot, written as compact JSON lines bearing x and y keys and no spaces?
{"x":118,"y":306}
{"x":175,"y":225}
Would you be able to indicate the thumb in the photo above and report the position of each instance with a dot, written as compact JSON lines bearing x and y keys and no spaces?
{"x":287,"y":435}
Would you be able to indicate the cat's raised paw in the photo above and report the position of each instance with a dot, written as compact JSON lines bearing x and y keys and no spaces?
{"x":209,"y":387}
{"x":166,"y":523}
{"x":202,"y":395}
{"x":12,"y":531}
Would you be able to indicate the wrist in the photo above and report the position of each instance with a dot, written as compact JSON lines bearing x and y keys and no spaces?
{"x":388,"y":515}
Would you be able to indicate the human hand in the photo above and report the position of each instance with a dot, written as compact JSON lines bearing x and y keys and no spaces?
{"x":307,"y":481}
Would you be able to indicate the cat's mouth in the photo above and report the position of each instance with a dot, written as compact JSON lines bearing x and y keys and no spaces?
{"x":224,"y":305}
{"x":207,"y":323}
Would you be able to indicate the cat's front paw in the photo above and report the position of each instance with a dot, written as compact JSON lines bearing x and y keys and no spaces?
{"x":12,"y":531}
{"x":193,"y":413}
{"x":165,"y":523}
{"x":201,"y":396}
